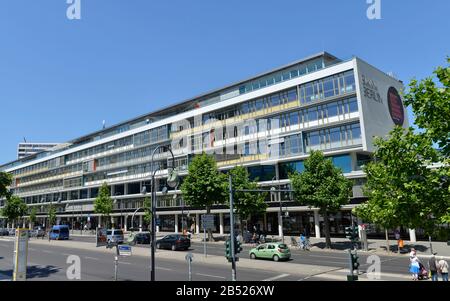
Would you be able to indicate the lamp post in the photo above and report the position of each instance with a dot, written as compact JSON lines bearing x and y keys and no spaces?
{"x":274,"y":193}
{"x":172,"y":182}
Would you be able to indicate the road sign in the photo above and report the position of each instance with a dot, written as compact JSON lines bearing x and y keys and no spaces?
{"x":208,"y":221}
{"x":124,"y":250}
{"x":20,"y":255}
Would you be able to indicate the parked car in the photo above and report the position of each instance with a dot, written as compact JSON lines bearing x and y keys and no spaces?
{"x":114,"y":236}
{"x":4,"y":232}
{"x":174,"y":242}
{"x":274,"y":251}
{"x":12,"y":232}
{"x":142,"y":238}
{"x":39,"y":232}
{"x":59,"y":232}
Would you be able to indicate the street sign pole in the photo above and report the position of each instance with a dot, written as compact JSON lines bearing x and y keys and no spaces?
{"x":233,"y":259}
{"x":188,"y":258}
{"x":116,"y":262}
{"x":204,"y":241}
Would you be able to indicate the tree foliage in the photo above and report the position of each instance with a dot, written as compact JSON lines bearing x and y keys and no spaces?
{"x":401,"y":188}
{"x":430,"y":101}
{"x":5,"y":182}
{"x":246,"y":203}
{"x":148,"y":211}
{"x":321,"y":185}
{"x":103,"y":204}
{"x":33,"y":212}
{"x":51,"y":214}
{"x":204,"y":185}
{"x":14,"y":208}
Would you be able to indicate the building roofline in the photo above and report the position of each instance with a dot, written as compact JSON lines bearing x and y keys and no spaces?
{"x":189,"y":100}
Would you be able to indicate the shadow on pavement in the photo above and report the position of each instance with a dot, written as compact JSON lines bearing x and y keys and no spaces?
{"x":34,"y":271}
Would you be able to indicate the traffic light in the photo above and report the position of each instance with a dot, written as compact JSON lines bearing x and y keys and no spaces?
{"x":237,"y":246}
{"x":228,"y":249}
{"x":352,"y":233}
{"x":354,"y":259}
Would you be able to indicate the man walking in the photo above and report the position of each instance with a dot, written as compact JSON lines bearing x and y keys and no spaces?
{"x":433,"y":267}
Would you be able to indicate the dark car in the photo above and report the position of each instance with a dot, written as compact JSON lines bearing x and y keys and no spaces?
{"x":142,"y":238}
{"x":174,"y":242}
{"x":4,"y":232}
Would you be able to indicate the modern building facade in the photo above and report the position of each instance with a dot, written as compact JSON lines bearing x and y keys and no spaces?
{"x":25,"y":149}
{"x":268,"y":123}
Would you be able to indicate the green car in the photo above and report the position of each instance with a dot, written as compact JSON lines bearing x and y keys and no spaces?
{"x":275,"y":251}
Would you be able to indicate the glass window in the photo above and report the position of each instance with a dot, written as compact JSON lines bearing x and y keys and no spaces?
{"x":312,"y":114}
{"x":275,"y":100}
{"x":356,"y":134}
{"x":328,"y":88}
{"x":332,"y":109}
{"x":294,"y":73}
{"x":293,"y":118}
{"x":314,"y":138}
{"x":309,"y":92}
{"x":353,"y":104}
{"x":290,"y":167}
{"x":278,"y":78}
{"x":349,"y":82}
{"x":259,"y":104}
{"x":244,"y":108}
{"x":344,"y":162}
{"x":292,"y":95}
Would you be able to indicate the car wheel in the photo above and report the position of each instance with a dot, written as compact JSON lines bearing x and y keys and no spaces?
{"x":158,"y":246}
{"x":252,"y":256}
{"x":174,"y":248}
{"x":276,"y":258}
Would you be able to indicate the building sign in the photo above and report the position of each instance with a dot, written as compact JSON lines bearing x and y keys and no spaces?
{"x":395,"y":106}
{"x":20,"y":255}
{"x":208,"y":221}
{"x":370,"y":89}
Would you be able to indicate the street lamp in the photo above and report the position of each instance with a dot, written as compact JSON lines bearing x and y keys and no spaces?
{"x":172,"y":182}
{"x":280,"y":219}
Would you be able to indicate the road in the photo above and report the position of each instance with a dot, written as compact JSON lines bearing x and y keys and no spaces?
{"x":48,"y":262}
{"x":336,"y":259}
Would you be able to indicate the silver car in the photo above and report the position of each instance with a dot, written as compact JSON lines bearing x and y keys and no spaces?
{"x":114,"y":236}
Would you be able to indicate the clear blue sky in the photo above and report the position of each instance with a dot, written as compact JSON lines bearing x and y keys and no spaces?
{"x":60,"y":78}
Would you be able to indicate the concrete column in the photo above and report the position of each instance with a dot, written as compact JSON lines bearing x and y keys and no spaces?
{"x":99,"y":221}
{"x":317,"y":223}
{"x":140,"y":223}
{"x":29,"y":225}
{"x":197,"y":223}
{"x":221,"y":223}
{"x":176,"y":223}
{"x":23,"y":225}
{"x":125,"y":223}
{"x":280,"y":224}
{"x":412,"y":235}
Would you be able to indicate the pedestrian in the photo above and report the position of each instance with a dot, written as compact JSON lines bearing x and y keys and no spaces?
{"x":433,"y":267}
{"x":414,"y":267}
{"x":443,"y":268}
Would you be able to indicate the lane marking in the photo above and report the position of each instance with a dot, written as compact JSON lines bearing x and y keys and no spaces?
{"x":213,"y":276}
{"x":164,"y":269}
{"x":124,"y":262}
{"x":276,"y":277}
{"x":92,"y":258}
{"x":49,"y":252}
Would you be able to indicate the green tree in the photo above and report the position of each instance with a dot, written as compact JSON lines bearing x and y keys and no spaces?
{"x":323,"y":186}
{"x":103,"y":204}
{"x":430,"y":99}
{"x":401,"y":188}
{"x":204,"y":185}
{"x":14,"y":208}
{"x":33,"y":212}
{"x":246,"y":203}
{"x":51,"y":215}
{"x":148,"y":211}
{"x":5,"y":182}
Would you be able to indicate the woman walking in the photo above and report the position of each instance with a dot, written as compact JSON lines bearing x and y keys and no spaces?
{"x":443,"y":268}
{"x":414,"y":267}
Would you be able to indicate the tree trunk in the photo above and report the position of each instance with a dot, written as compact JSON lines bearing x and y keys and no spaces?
{"x":210,"y":235}
{"x":241,"y":227}
{"x":326,"y":224}
{"x":387,"y":240}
